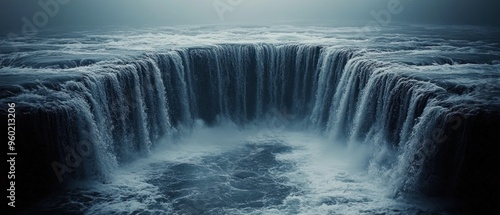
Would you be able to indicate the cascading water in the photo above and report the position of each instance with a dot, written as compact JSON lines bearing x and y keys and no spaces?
{"x":119,"y":111}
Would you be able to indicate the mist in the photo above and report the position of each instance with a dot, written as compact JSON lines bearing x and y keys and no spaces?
{"x":95,"y":13}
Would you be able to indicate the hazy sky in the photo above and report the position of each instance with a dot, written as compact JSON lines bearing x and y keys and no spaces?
{"x":168,"y":12}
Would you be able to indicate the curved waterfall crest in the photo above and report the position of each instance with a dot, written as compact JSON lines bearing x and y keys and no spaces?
{"x":122,"y":109}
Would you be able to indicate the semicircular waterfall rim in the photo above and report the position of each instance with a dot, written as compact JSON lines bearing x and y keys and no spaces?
{"x":122,"y":110}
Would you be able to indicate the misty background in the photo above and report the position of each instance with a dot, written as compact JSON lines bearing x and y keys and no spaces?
{"x":101,"y":13}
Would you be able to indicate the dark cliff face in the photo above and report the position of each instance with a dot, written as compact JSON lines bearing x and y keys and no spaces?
{"x":42,"y":136}
{"x":476,"y":162}
{"x":460,"y":160}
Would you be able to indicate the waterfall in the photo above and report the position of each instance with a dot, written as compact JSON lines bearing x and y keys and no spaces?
{"x":120,"y":110}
